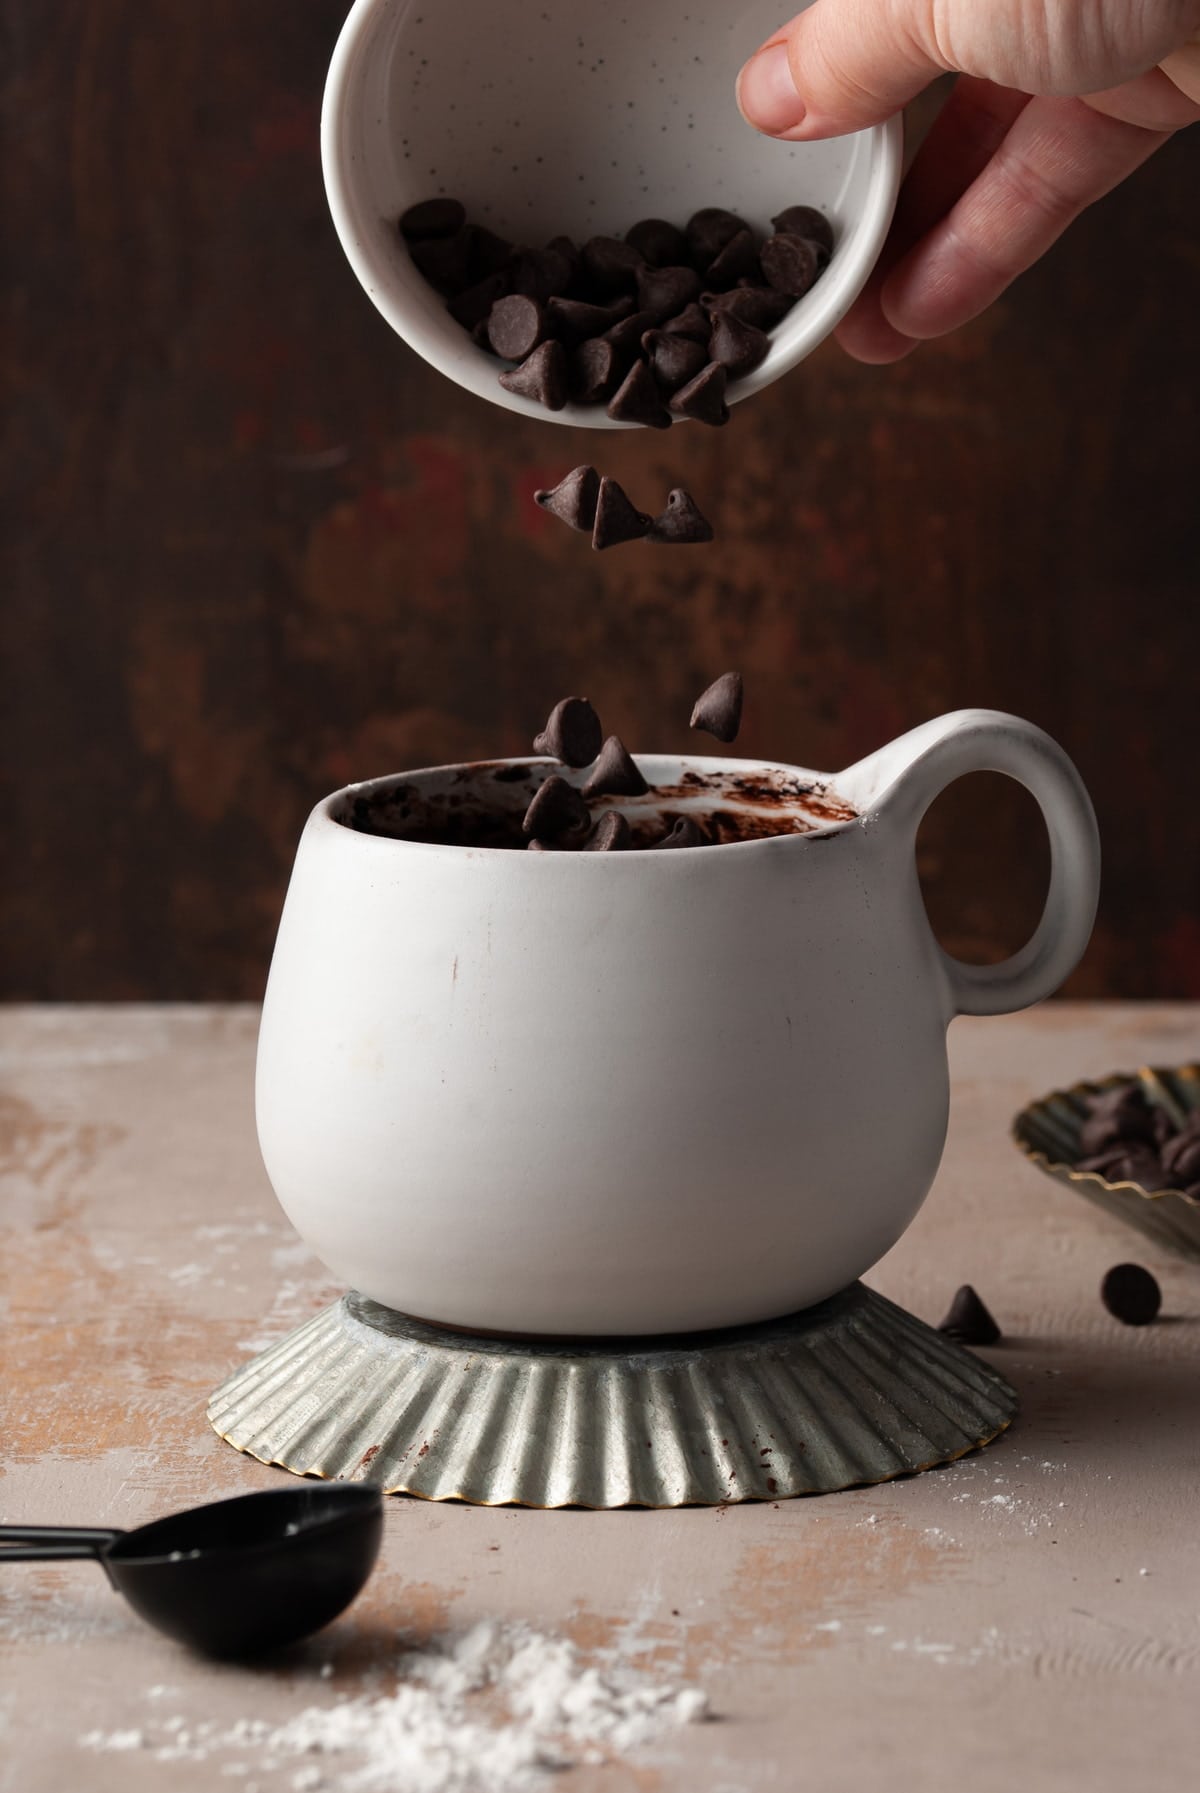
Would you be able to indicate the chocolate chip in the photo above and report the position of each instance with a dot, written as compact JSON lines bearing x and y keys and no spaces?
{"x":540,"y":273}
{"x":1181,"y":1158}
{"x":637,"y":400}
{"x":681,"y":523}
{"x":806,"y":221}
{"x":758,"y":305}
{"x":703,"y":399}
{"x":737,"y":261}
{"x":432,"y":218}
{"x":542,"y":377}
{"x":610,"y":265}
{"x":684,"y":834}
{"x":573,"y":501}
{"x":572,"y":255}
{"x":516,"y":325}
{"x":1131,"y":1294}
{"x":718,"y":711}
{"x":594,"y":371}
{"x":574,"y":320}
{"x":674,"y":360}
{"x":557,"y":809}
{"x":657,"y":242}
{"x":664,"y":292}
{"x":444,"y":261}
{"x":692,"y":321}
{"x":616,"y":518}
{"x":738,"y":346}
{"x":1140,"y":1166}
{"x":480,"y":337}
{"x":708,"y":231}
{"x":536,"y":846}
{"x":473,"y":305}
{"x":969,"y":1322}
{"x":612,"y":835}
{"x":572,"y":733}
{"x":490,"y":254}
{"x":626,"y":336}
{"x":615,"y":773}
{"x":791,"y":264}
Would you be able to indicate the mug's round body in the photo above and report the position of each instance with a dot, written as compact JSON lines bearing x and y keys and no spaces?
{"x":601,"y":1093}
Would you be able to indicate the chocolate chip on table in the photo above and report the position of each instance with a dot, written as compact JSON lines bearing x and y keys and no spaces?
{"x":594,"y":371}
{"x":612,"y":834}
{"x":718,"y":711}
{"x":692,"y":321}
{"x":611,"y":265}
{"x":681,"y":523}
{"x":1131,"y":1294}
{"x":556,"y":809}
{"x":516,"y":325}
{"x":573,"y":501}
{"x":432,"y":218}
{"x":575,"y":320}
{"x":664,"y":292}
{"x":708,"y":231}
{"x":660,"y":244}
{"x":615,"y":773}
{"x":542,"y":376}
{"x":806,"y":221}
{"x":737,"y":261}
{"x":674,"y":360}
{"x":617,"y":520}
{"x":738,"y":346}
{"x":759,"y":305}
{"x":638,"y":400}
{"x":703,"y":399}
{"x":685,"y":833}
{"x":790,"y":263}
{"x":572,"y":733}
{"x":968,"y":1321}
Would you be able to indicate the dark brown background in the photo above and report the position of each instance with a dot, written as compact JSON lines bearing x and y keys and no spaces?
{"x":255,"y":548}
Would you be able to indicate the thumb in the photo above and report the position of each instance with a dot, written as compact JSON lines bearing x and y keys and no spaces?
{"x":839,"y":66}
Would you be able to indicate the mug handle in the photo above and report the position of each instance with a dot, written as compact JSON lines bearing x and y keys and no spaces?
{"x":901,"y":781}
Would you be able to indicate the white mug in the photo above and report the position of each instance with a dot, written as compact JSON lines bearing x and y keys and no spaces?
{"x":599,"y":1094}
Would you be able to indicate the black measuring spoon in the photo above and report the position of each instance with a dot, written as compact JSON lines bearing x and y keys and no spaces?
{"x":236,"y":1578}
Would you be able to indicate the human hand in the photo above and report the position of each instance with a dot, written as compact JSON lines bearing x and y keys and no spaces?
{"x":1056,"y":102}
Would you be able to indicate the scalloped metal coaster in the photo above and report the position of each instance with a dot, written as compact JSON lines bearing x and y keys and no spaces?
{"x":853,"y":1391}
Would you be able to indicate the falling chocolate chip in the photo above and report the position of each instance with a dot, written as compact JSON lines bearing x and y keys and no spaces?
{"x":574,"y":320}
{"x":758,"y":305}
{"x":737,"y":261}
{"x":610,"y":265}
{"x":684,"y":834}
{"x":657,"y":242}
{"x":615,"y":773}
{"x":573,"y":501}
{"x":557,"y":809}
{"x":542,"y":377}
{"x":708,"y":231}
{"x":626,"y":336}
{"x":703,"y":399}
{"x":432,"y":218}
{"x":594,"y":371}
{"x":790,"y":264}
{"x":969,"y":1322}
{"x":692,"y":321}
{"x":806,"y":221}
{"x":617,"y":520}
{"x":637,"y":400}
{"x":516,"y":325}
{"x":473,"y":305}
{"x":718,"y":711}
{"x":539,"y":273}
{"x":738,"y":346}
{"x":572,"y":733}
{"x":674,"y":360}
{"x":444,"y":261}
{"x":1131,"y":1294}
{"x":681,"y":523}
{"x":664,"y":292}
{"x":611,"y":835}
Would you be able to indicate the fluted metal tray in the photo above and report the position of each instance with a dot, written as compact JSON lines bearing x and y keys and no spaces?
{"x":852,"y":1391}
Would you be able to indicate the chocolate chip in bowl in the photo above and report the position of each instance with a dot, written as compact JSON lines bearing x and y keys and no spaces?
{"x":1130,"y":1144}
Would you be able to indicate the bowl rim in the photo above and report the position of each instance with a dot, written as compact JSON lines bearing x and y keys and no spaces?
{"x":476,"y":373}
{"x":1061,"y":1169}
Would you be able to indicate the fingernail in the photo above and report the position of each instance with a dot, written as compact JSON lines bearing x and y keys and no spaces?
{"x":767,"y":94}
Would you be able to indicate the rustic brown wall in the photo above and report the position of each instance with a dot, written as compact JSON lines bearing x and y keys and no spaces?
{"x":255,"y":547}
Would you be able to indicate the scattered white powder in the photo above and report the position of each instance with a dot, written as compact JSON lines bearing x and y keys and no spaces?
{"x":498,"y":1709}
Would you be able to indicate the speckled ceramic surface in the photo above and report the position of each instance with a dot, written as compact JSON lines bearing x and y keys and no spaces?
{"x":1048,"y":1133}
{"x":578,"y":119}
{"x":854,"y":1391}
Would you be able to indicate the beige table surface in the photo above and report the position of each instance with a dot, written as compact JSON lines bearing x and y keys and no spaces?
{"x":1028,"y":1618}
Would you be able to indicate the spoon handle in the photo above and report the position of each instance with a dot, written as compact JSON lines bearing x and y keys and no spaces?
{"x":51,"y":1543}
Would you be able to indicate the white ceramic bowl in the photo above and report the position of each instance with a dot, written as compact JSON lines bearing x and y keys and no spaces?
{"x":578,"y":119}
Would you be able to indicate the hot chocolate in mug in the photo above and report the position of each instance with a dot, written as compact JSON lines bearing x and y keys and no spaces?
{"x":601,"y":1094}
